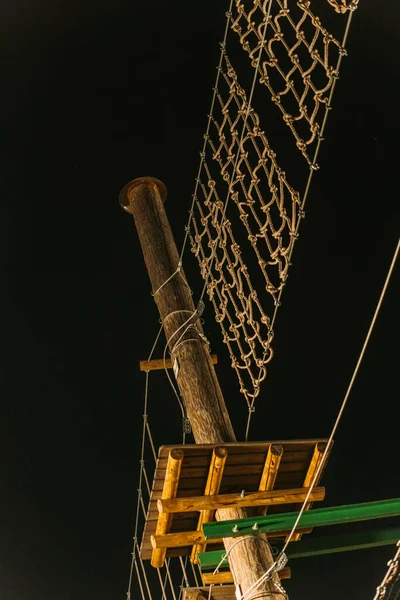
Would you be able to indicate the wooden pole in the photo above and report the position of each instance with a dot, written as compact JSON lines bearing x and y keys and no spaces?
{"x":195,"y":374}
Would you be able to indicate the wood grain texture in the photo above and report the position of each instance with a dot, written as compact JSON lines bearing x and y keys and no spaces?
{"x":196,"y":377}
{"x":243,"y":470}
{"x":220,"y":501}
{"x":215,"y":473}
{"x":157,"y":364}
{"x":169,"y":491}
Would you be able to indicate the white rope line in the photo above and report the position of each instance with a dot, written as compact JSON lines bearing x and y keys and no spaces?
{"x":161,"y":585}
{"x":142,"y":476}
{"x":144,"y":575}
{"x":245,"y":538}
{"x":177,"y":270}
{"x":168,"y":576}
{"x":187,"y":324}
{"x":195,"y":575}
{"x":267,"y":574}
{"x":305,"y":195}
{"x":184,"y":574}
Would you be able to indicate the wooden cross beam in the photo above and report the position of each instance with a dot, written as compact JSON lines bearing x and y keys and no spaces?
{"x":170,"y":488}
{"x":157,"y":364}
{"x":274,"y":497}
{"x":227,"y":577}
{"x":213,"y":484}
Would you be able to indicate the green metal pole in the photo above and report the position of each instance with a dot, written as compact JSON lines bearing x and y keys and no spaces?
{"x":318,"y":546}
{"x":313,"y":518}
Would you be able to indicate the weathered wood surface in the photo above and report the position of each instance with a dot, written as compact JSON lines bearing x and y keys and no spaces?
{"x":196,"y":377}
{"x":227,"y":577}
{"x":183,"y":539}
{"x":170,"y":488}
{"x":157,"y":364}
{"x":220,"y":501}
{"x":215,"y":473}
{"x":195,"y":374}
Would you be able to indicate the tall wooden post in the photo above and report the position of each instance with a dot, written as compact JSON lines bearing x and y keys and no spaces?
{"x":143,"y":198}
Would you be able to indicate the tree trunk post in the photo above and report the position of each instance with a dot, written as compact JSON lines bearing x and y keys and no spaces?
{"x":250,"y":557}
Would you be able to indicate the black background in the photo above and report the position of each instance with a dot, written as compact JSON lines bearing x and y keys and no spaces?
{"x":94,"y":94}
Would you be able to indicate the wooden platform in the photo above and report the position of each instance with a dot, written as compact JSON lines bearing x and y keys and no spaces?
{"x":246,"y":467}
{"x":218,"y":592}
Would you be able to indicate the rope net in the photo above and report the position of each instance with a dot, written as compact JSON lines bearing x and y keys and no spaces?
{"x":267,"y":206}
{"x":246,"y":212}
{"x":297,"y":65}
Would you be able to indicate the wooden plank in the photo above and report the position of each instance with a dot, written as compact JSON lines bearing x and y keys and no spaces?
{"x":220,"y":592}
{"x":271,"y":467}
{"x":242,"y":481}
{"x":169,"y":491}
{"x":189,"y":538}
{"x":313,"y":467}
{"x":240,"y":447}
{"x":158,"y":363}
{"x":217,"y":578}
{"x":246,"y":458}
{"x":235,"y":470}
{"x":227,"y":577}
{"x":174,"y":505}
{"x":216,"y":471}
{"x":270,"y":472}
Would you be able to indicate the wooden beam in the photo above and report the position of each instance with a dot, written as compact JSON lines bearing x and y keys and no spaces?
{"x":213,"y":484}
{"x":227,"y":577}
{"x":157,"y":364}
{"x":274,"y":497}
{"x":225,"y":592}
{"x":271,"y":467}
{"x":189,"y":538}
{"x":270,"y":472}
{"x":218,"y":578}
{"x":313,"y":467}
{"x":193,"y":594}
{"x":170,"y":488}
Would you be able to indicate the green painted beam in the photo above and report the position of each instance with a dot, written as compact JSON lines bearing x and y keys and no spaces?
{"x":318,"y":546}
{"x":319,"y":517}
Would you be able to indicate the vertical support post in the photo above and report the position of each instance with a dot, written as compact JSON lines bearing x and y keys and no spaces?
{"x":195,"y":374}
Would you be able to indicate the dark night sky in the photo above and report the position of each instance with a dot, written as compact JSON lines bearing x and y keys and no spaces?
{"x":94,"y":94}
